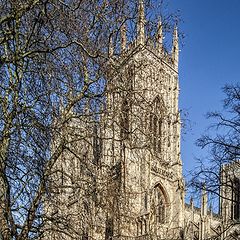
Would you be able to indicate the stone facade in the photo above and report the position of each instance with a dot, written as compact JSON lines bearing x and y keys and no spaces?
{"x":135,"y":175}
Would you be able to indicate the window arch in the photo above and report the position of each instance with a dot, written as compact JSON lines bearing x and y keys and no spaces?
{"x":160,"y":205}
{"x":126,"y":104}
{"x":156,"y":124}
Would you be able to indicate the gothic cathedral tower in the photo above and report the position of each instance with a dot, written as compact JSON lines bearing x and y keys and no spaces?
{"x":143,"y":92}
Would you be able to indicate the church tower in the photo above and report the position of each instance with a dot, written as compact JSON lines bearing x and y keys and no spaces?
{"x":143,"y":98}
{"x":123,"y":180}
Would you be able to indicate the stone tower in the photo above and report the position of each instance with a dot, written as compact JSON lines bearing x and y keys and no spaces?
{"x":124,"y":179}
{"x":145,"y":136}
{"x":128,"y":182}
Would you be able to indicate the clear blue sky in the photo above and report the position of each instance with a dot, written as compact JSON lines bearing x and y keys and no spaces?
{"x":208,"y":60}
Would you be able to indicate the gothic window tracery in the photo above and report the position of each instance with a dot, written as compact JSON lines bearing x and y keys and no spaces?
{"x":160,"y":205}
{"x":126,"y":102}
{"x":156,"y":124}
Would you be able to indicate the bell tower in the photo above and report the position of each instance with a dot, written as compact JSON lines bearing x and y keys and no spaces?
{"x":148,"y":134}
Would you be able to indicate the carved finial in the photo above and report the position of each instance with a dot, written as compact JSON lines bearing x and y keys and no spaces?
{"x":175,"y":48}
{"x":123,"y":37}
{"x":159,"y":37}
{"x":204,"y":202}
{"x":141,"y":23}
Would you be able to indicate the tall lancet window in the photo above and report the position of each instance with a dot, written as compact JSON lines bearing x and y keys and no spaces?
{"x":160,"y":205}
{"x":156,"y":124}
{"x":126,"y":102}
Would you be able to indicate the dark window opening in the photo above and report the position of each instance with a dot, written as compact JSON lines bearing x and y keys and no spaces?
{"x":160,"y":206}
{"x":236,"y":199}
{"x":109,"y":229}
{"x":145,"y":201}
{"x":155,"y":128}
{"x":85,"y":235}
{"x":156,"y":125}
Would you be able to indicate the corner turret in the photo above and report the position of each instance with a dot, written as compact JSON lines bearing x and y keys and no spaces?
{"x":159,"y":38}
{"x":141,"y":23}
{"x":175,"y":48}
{"x":204,"y":214}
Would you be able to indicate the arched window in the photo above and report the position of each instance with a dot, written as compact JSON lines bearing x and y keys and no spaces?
{"x":155,"y":124}
{"x":160,"y":205}
{"x":127,"y":102}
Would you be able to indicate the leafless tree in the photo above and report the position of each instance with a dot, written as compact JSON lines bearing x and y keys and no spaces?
{"x":55,"y":61}
{"x":220,"y":171}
